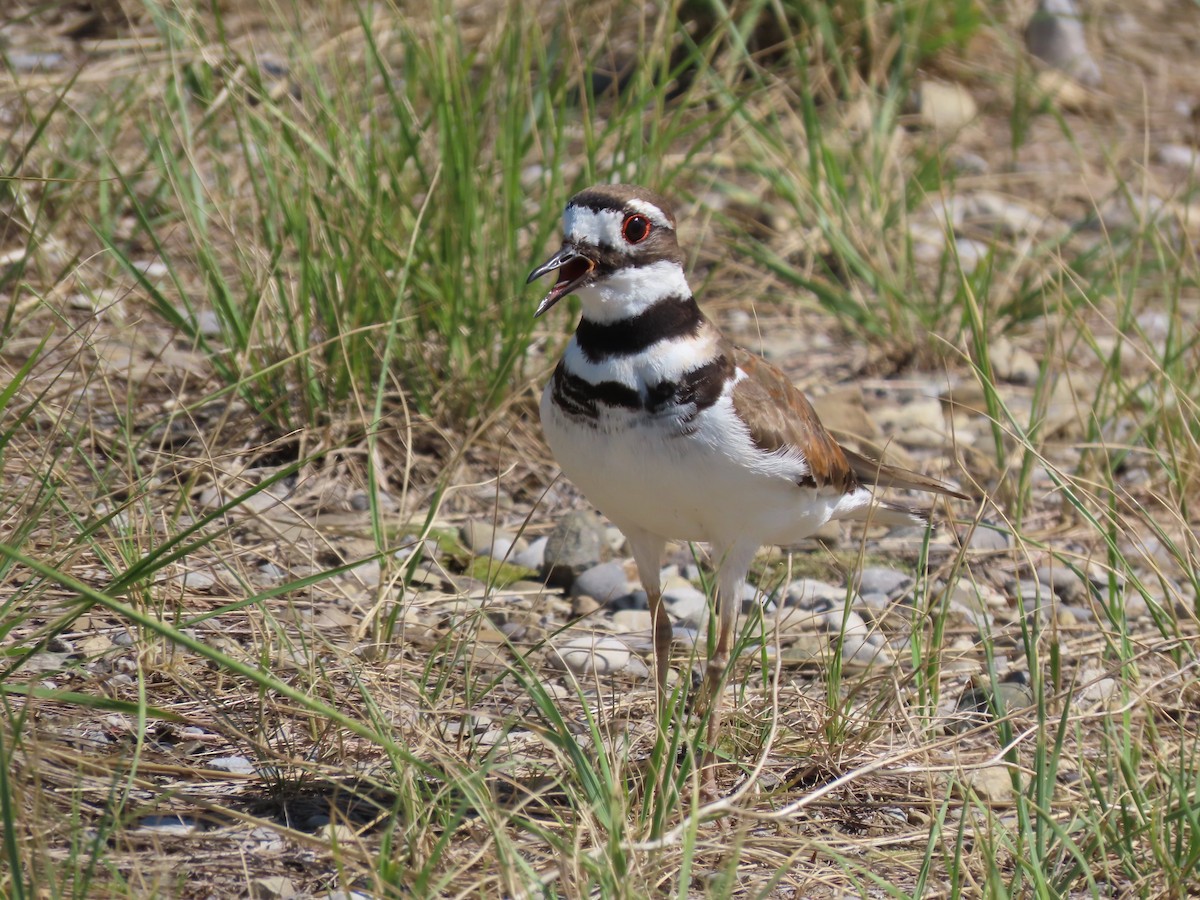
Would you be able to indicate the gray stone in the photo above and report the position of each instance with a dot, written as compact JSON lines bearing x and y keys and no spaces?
{"x":1055,"y":36}
{"x":577,"y":543}
{"x":274,"y":887}
{"x":882,"y":580}
{"x":197,"y":581}
{"x":809,"y":593}
{"x":988,"y":537}
{"x":1065,"y":584}
{"x":603,"y":582}
{"x":687,"y":605}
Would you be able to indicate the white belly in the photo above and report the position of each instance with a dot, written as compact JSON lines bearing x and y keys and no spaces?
{"x":709,"y":485}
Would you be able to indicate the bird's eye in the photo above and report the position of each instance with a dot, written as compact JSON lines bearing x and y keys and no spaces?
{"x":635,"y":228}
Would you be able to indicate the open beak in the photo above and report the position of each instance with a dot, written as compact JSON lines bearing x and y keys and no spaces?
{"x":573,"y":267}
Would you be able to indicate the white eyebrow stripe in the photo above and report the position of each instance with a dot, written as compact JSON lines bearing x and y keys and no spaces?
{"x":651,"y":212}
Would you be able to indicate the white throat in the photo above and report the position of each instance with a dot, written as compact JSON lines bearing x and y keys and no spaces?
{"x":632,"y":290}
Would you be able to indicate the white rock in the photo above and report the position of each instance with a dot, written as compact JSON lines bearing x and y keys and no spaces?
{"x":945,"y":107}
{"x":1180,"y":156}
{"x":591,"y":654}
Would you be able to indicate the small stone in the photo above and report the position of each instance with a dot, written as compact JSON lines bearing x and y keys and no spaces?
{"x":882,"y":580}
{"x":636,"y":669}
{"x":1013,"y":364}
{"x":588,"y":655}
{"x":964,"y":162}
{"x":980,"y":704}
{"x":170,"y":823}
{"x":482,"y":539}
{"x":235,"y":765}
{"x":630,"y":621}
{"x":197,"y":581}
{"x":1065,"y":584}
{"x":1055,"y":36}
{"x":1179,"y":156}
{"x":992,"y":783}
{"x":990,"y":538}
{"x":944,"y":107}
{"x":532,"y":557}
{"x":1102,"y":690}
{"x":970,"y":253}
{"x":208,"y":323}
{"x":687,"y":605}
{"x":25,"y":61}
{"x":274,"y":887}
{"x":584,"y":605}
{"x":602,"y":582}
{"x":810,"y":593}
{"x":577,"y":543}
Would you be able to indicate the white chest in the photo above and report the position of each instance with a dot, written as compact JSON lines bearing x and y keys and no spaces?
{"x":699,"y":480}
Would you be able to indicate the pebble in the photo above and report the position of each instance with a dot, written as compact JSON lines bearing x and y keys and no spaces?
{"x":970,"y":253}
{"x":26,"y":62}
{"x":603,"y":582}
{"x":577,"y":543}
{"x":810,"y":593}
{"x":944,"y":107}
{"x":1055,"y":35}
{"x":484,"y":539}
{"x":1012,"y":363}
{"x":584,"y":606}
{"x":976,"y":704}
{"x":997,"y":213}
{"x":591,"y":654}
{"x":882,"y":580}
{"x":274,"y":887}
{"x":170,"y":823}
{"x":688,"y":605}
{"x":1181,"y":156}
{"x":989,"y":538}
{"x":1065,"y":584}
{"x":1102,"y":690}
{"x":197,"y":581}
{"x":631,"y":621}
{"x":235,"y":765}
{"x":533,"y":556}
{"x":992,"y":783}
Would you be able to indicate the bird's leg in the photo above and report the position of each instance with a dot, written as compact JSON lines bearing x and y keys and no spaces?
{"x":647,"y":553}
{"x":734,"y":564}
{"x":661,"y":623}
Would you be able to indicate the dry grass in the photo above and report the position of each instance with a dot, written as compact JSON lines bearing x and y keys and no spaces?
{"x":208,"y":511}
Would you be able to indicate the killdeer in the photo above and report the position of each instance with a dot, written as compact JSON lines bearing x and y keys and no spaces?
{"x":676,"y":434}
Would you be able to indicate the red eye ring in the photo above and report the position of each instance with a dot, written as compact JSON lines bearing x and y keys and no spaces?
{"x":636,"y":228}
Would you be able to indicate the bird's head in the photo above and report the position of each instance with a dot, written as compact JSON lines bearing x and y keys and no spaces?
{"x":619,"y":244}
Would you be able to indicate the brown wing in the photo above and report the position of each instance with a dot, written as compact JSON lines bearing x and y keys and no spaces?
{"x":779,"y":415}
{"x":871,"y":472}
